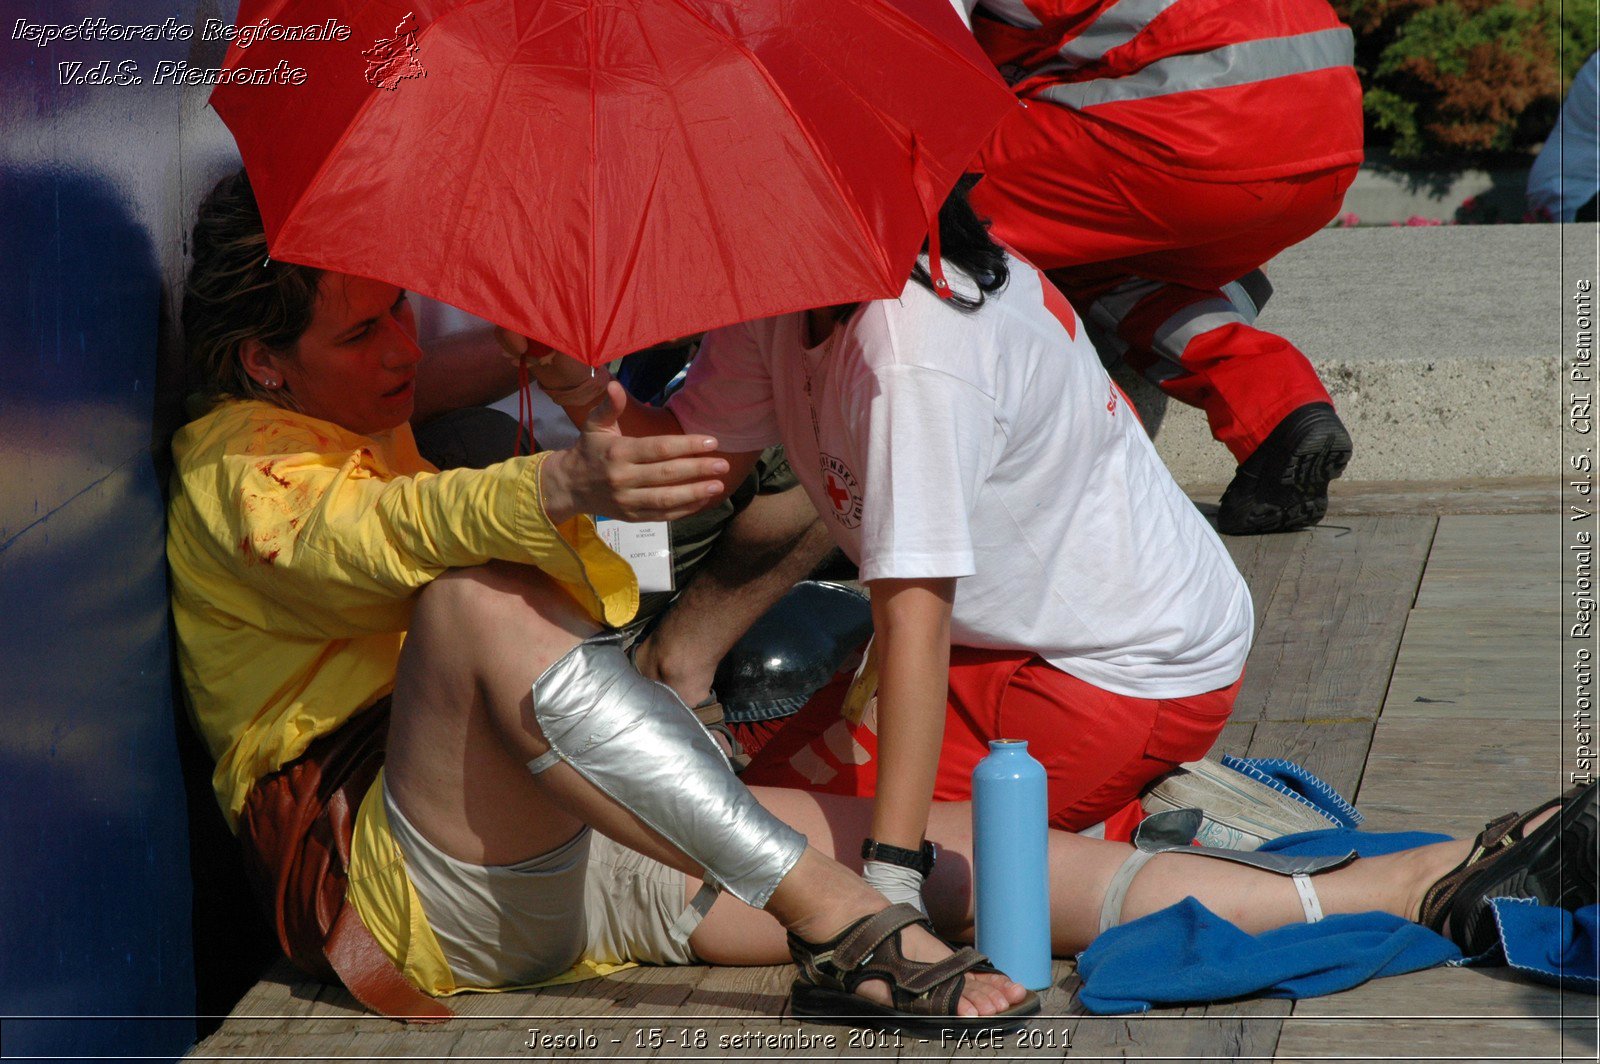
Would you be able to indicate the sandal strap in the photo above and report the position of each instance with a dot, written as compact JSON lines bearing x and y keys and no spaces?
{"x":954,"y":966}
{"x":711,"y":714}
{"x":1487,"y":845}
{"x":859,"y":942}
{"x":1497,"y":838}
{"x":870,"y":950}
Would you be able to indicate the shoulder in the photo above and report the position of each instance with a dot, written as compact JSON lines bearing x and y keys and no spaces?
{"x":920,"y":329}
{"x":250,"y":427}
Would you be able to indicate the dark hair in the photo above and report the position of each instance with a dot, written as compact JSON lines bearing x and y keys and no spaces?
{"x":234,"y":293}
{"x":964,"y":241}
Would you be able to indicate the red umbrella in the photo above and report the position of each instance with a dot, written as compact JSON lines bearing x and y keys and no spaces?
{"x":605,"y":174}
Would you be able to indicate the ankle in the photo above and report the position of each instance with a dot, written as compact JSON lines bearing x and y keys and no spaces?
{"x":1424,"y":867}
{"x":820,"y":898}
{"x":691,"y":683}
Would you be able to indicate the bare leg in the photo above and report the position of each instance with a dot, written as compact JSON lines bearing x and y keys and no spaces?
{"x":767,"y":548}
{"x":463,"y":730}
{"x":1080,"y":871}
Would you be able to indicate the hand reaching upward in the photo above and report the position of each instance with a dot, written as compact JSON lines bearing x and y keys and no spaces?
{"x":646,"y":478}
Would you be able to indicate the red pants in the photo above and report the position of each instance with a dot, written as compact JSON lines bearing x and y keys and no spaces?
{"x":1099,"y":749}
{"x":1145,"y":256}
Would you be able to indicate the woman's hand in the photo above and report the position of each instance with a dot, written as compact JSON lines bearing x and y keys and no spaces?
{"x":647,"y":478}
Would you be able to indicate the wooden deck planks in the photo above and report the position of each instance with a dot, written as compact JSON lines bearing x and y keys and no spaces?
{"x":1333,"y":609}
{"x":1444,"y":1013}
{"x":1332,"y":618}
{"x":1470,"y":728}
{"x":1498,"y":563}
{"x":1484,"y":638}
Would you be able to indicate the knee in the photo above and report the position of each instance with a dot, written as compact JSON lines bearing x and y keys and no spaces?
{"x":490,"y":603}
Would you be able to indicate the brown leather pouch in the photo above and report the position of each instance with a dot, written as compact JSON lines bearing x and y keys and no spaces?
{"x":296,"y":828}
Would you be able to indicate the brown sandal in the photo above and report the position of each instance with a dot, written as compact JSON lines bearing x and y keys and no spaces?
{"x":923,"y":995}
{"x":710,"y":714}
{"x":1554,"y":864}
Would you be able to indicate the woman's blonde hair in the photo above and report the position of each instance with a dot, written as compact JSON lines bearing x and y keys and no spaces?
{"x":234,"y":293}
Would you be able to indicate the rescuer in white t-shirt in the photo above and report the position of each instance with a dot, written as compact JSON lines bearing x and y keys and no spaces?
{"x":1035,"y":572}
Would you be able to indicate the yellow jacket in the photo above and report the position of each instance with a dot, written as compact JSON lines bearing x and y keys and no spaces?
{"x":296,"y":548}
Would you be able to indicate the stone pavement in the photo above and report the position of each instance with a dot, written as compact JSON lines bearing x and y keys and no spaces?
{"x":1441,"y":348}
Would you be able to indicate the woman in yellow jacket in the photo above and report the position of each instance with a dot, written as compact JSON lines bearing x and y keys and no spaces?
{"x":302,"y":527}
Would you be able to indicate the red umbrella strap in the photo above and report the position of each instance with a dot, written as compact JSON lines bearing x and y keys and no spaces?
{"x":524,"y":408}
{"x":941,"y":287}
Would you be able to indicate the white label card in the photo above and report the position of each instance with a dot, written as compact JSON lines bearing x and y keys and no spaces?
{"x":644,"y":545}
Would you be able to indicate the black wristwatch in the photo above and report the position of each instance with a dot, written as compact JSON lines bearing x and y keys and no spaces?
{"x":920,"y":861}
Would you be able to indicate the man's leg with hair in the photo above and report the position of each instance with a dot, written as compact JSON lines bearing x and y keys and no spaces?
{"x":465,"y":727}
{"x":765,"y":549}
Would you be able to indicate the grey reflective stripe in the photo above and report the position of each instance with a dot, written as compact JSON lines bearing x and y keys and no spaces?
{"x":1109,"y":310}
{"x":1197,"y":318}
{"x":1233,"y":64}
{"x":1116,"y":26}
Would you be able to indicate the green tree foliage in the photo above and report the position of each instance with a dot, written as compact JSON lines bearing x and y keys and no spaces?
{"x":1462,"y":81}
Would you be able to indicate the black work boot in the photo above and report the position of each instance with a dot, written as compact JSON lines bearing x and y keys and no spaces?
{"x":1283,"y":486}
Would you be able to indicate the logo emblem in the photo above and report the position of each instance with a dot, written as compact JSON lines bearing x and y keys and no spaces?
{"x":842,"y":490}
{"x":391,"y":60}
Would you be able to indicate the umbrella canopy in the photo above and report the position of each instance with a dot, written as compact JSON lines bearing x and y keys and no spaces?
{"x":605,"y":174}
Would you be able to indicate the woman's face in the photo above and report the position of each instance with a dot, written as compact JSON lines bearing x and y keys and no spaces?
{"x":356,"y":364}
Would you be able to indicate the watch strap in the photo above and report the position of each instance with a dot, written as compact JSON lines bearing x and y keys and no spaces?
{"x":919,"y":860}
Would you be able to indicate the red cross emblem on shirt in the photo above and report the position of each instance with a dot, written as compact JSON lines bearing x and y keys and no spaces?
{"x":838,"y":493}
{"x":843,"y":492}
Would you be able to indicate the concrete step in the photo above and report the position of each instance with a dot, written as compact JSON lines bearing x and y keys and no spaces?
{"x":1441,"y":347}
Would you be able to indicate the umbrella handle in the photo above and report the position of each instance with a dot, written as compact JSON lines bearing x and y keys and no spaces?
{"x":524,"y":408}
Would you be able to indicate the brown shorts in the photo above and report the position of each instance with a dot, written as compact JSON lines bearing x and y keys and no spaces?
{"x":296,"y":830}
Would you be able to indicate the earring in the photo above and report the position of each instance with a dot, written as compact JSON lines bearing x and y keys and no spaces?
{"x":271,"y":382}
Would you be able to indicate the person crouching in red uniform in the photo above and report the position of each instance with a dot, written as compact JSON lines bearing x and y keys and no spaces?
{"x":1167,"y":149}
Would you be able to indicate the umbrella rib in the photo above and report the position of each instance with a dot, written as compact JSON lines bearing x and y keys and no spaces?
{"x":887,"y":11}
{"x":863,"y":229}
{"x":594,"y":183}
{"x":349,"y":130}
{"x":728,"y":262}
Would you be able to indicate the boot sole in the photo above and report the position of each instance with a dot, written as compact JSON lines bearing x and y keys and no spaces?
{"x":1298,"y":496}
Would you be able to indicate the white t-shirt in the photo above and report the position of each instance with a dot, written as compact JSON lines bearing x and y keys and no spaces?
{"x":991,"y":447}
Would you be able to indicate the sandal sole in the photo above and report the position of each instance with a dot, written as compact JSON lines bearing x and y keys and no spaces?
{"x":1558,"y":868}
{"x":837,"y":1006}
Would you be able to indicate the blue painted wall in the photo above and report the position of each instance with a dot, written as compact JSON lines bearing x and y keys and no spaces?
{"x":97,"y":184}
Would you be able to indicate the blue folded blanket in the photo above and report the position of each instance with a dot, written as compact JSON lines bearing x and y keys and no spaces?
{"x":1294,"y":781}
{"x":1187,"y":955}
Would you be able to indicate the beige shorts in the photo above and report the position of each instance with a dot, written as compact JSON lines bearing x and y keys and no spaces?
{"x":510,"y":925}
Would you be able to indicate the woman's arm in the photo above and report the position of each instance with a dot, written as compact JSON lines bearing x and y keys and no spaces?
{"x":587,"y":393}
{"x":911,"y":623}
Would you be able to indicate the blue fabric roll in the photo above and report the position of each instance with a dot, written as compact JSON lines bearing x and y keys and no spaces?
{"x":1187,"y":955}
{"x":1297,"y":782}
{"x":1550,"y":945}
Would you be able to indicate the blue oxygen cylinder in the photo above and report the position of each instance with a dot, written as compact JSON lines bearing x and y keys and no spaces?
{"x":1010,"y":830}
